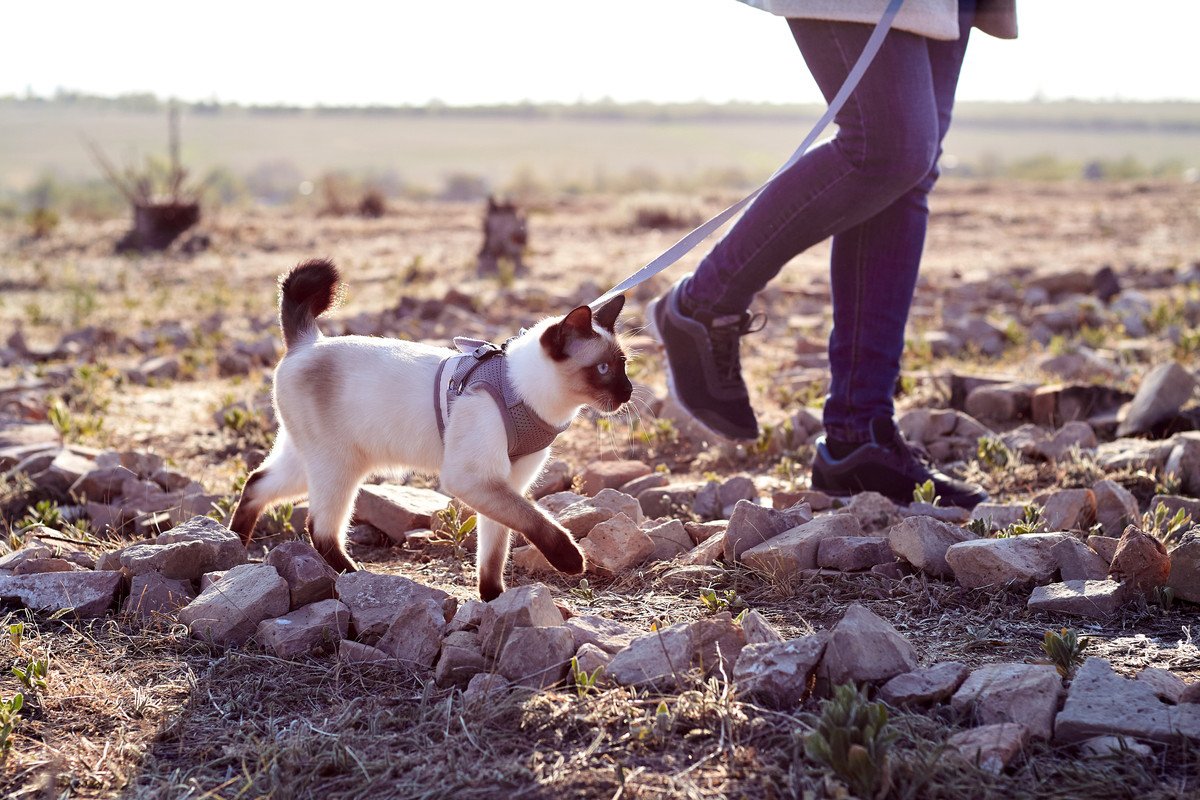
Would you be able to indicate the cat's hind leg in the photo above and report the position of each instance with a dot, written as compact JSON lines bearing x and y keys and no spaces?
{"x":280,"y":477}
{"x":330,"y":503}
{"x":491,"y":554}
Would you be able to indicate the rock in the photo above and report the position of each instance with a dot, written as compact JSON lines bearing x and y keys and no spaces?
{"x":1101,"y":702}
{"x":152,"y":594}
{"x":942,"y":344}
{"x":607,"y":634}
{"x":707,"y":503}
{"x":991,"y":747}
{"x":638,"y":485}
{"x":589,"y":658}
{"x":1115,"y":745}
{"x":1082,"y":598}
{"x":616,"y":546}
{"x":319,"y":626}
{"x":1184,"y":462}
{"x":1185,"y":570}
{"x":529,"y":606}
{"x":580,"y":518}
{"x":817,"y":501}
{"x":703,"y":531}
{"x":777,"y":674}
{"x":229,"y":611}
{"x":1009,"y":692}
{"x":415,"y":635}
{"x":180,"y":560}
{"x":618,"y":503}
{"x":1166,"y":685}
{"x":555,"y":477}
{"x":308,"y":577}
{"x":1005,"y":402}
{"x":790,"y":552}
{"x":398,"y":509}
{"x":376,"y":600}
{"x":64,"y":471}
{"x":467,"y":617}
{"x":1116,"y":506}
{"x":661,"y":659}
{"x":31,"y":552}
{"x":1078,"y":562}
{"x":84,"y":593}
{"x":1104,"y":546}
{"x":853,"y":553}
{"x":670,"y":539}
{"x":101,"y":485}
{"x":1076,"y":436}
{"x":1070,"y":510}
{"x":461,"y":659}
{"x":529,"y":559}
{"x":982,"y":334}
{"x":1124,"y":454}
{"x":923,"y":542}
{"x":351,"y":652}
{"x":226,"y":548}
{"x":1105,"y":284}
{"x":556,"y":502}
{"x":998,"y":515}
{"x":611,"y":474}
{"x":1058,"y":403}
{"x":1191,"y":694}
{"x":536,"y":657}
{"x":752,"y":524}
{"x":35,"y":566}
{"x":995,"y":562}
{"x":950,"y":514}
{"x":864,"y":648}
{"x":1140,"y":560}
{"x":1081,"y":365}
{"x":1174,"y":504}
{"x":930,"y":685}
{"x":672,"y":500}
{"x":758,"y":630}
{"x":706,"y":553}
{"x":158,"y":368}
{"x":485,"y":688}
{"x":873,"y":511}
{"x":1163,"y":392}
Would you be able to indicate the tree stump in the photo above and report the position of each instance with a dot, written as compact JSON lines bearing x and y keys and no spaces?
{"x":157,"y":224}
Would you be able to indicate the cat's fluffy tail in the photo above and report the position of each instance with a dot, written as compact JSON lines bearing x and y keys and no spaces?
{"x":306,"y":292}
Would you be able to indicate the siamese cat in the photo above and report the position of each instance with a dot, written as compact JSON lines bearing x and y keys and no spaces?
{"x":349,"y":406}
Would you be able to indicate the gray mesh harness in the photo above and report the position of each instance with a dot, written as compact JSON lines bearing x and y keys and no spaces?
{"x":483,"y":366}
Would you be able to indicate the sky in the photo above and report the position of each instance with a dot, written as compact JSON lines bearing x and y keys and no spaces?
{"x":465,"y":52}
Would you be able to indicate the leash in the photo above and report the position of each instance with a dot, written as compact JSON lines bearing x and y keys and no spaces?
{"x":702,"y":232}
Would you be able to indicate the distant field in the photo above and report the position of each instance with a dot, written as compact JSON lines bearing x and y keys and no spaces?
{"x":562,"y":149}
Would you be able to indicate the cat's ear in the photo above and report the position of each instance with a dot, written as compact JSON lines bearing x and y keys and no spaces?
{"x":576,"y":325}
{"x":606,"y":315}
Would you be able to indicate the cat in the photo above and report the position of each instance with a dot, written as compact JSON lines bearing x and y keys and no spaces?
{"x":350,"y":406}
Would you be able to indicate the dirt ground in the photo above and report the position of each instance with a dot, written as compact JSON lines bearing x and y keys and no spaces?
{"x":138,"y":713}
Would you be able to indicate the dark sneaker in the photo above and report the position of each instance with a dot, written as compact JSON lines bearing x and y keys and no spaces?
{"x":890,"y":466}
{"x":704,"y":370}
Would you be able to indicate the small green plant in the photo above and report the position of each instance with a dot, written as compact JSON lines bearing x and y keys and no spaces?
{"x":656,"y":727}
{"x":33,"y":676}
{"x":925,"y":493}
{"x":762,"y":445}
{"x":852,"y":738}
{"x":714,"y":602}
{"x":993,"y":453}
{"x":1168,"y":529}
{"x":222,"y":507}
{"x":45,"y":513}
{"x":1065,"y":649}
{"x":279,"y":518}
{"x":790,"y":472}
{"x":1163,"y":597}
{"x":584,"y":591}
{"x":1031,"y":521}
{"x":451,"y":528}
{"x":10,"y":717}
{"x":585,"y":682}
{"x":979,"y":526}
{"x":16,"y":633}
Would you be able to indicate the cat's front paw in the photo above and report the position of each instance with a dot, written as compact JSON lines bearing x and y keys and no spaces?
{"x":566,"y":557}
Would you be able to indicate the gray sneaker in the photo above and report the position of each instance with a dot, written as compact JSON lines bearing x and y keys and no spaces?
{"x":704,"y":371}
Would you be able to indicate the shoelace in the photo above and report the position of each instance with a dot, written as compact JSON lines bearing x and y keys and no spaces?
{"x":725,"y":338}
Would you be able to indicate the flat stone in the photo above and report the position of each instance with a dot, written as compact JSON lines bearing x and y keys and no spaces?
{"x":1141,"y":560}
{"x":529,"y":559}
{"x":703,"y":531}
{"x":30,"y":552}
{"x":873,"y":511}
{"x":674,"y":499}
{"x":618,"y":503}
{"x":1133,"y":454}
{"x":227,"y":548}
{"x":607,"y":634}
{"x":706,"y":553}
{"x":579,"y":518}
{"x":467,"y":617}
{"x":33,"y":566}
{"x":1167,"y":685}
{"x":1184,"y":462}
{"x":661,"y":659}
{"x":853,"y":553}
{"x":1104,"y":546}
{"x":790,"y":552}
{"x":923,"y":542}
{"x":319,"y":626}
{"x":991,"y":747}
{"x":930,"y":685}
{"x":758,"y":630}
{"x":1070,"y":510}
{"x":1082,"y":598}
{"x":396,"y":510}
{"x":995,"y":562}
{"x":864,"y":648}
{"x":85,"y":593}
{"x":153,"y":594}
{"x":308,"y":576}
{"x":777,"y":674}
{"x":1162,"y":393}
{"x":589,"y":658}
{"x":1075,"y":435}
{"x":536,"y":657}
{"x":67,"y":467}
{"x":529,"y":606}
{"x":351,"y":652}
{"x":556,"y":502}
{"x":950,"y":514}
{"x":376,"y":600}
{"x":616,"y":546}
{"x":101,"y":485}
{"x":1116,"y":506}
{"x":1009,"y":692}
{"x":611,"y":474}
{"x":1115,"y":746}
{"x":229,"y":611}
{"x":460,"y":660}
{"x":752,"y":524}
{"x":485,"y":687}
{"x":670,"y":539}
{"x":638,"y":485}
{"x":1078,"y":562}
{"x":1102,"y":703}
{"x":1185,"y":570}
{"x":1003,"y":402}
{"x":415,"y":636}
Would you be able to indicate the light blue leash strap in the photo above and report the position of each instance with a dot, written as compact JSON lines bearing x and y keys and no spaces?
{"x":700,"y":233}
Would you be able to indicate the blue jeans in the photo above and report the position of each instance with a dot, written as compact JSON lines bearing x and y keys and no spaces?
{"x":867,"y":188}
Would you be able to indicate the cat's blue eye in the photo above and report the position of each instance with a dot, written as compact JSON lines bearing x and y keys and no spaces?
{"x":602,"y":368}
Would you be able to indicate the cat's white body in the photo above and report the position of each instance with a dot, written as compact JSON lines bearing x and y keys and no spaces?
{"x":351,"y":406}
